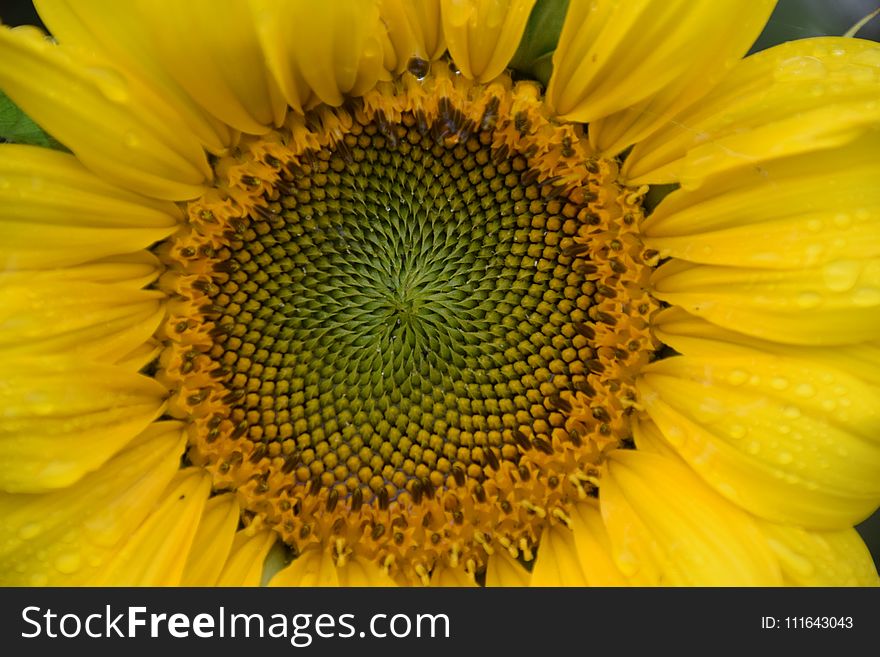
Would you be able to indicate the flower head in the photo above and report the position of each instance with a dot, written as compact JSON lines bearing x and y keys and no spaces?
{"x":325,"y":295}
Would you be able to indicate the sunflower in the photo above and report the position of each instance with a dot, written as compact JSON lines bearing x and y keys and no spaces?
{"x":324,"y":294}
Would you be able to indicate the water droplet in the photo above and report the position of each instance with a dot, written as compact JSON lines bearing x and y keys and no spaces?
{"x":800,"y":68}
{"x":131,"y":140}
{"x":807,"y":300}
{"x":67,"y":563}
{"x":39,"y":579}
{"x":112,"y":85}
{"x":29,"y":530}
{"x":785,"y":458}
{"x":791,"y":412}
{"x":627,"y":562}
{"x":841,"y":275}
{"x":866,"y":296}
{"x":842,"y":220}
{"x":674,"y":435}
{"x":754,"y":447}
{"x":805,"y":390}
{"x":737,"y":377}
{"x":779,"y":383}
{"x":737,"y":431}
{"x":727,"y":490}
{"x":828,"y":405}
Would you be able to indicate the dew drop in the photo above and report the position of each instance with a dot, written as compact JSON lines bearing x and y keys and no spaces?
{"x":737,"y":377}
{"x":808,"y":300}
{"x":841,"y":275}
{"x":785,"y":458}
{"x":791,"y":412}
{"x":737,"y":431}
{"x":800,"y":68}
{"x":805,"y":390}
{"x":29,"y":530}
{"x":674,"y":435}
{"x":779,"y":383}
{"x":727,"y":490}
{"x":39,"y":579}
{"x":866,"y":296}
{"x":68,"y":563}
{"x":112,"y":85}
{"x":842,"y":220}
{"x":828,"y":405}
{"x":627,"y":562}
{"x":754,"y":447}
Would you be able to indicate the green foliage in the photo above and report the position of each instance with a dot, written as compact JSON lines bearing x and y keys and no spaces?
{"x":534,"y":56}
{"x":19,"y":128}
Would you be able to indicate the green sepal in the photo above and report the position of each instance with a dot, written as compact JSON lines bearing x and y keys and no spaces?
{"x":18,"y":128}
{"x":534,"y":56}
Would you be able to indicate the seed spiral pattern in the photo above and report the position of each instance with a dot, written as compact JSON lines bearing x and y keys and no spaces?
{"x":402,"y":342}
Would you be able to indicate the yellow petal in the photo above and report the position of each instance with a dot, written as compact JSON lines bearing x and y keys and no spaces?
{"x":594,"y":547}
{"x":835,"y":304}
{"x":482,"y":35}
{"x":212,"y":542}
{"x":114,"y":125}
{"x":558,"y":562}
{"x":799,"y":211}
{"x":415,"y":30}
{"x":93,"y":321}
{"x":138,"y":358}
{"x":811,"y":558}
{"x":504,"y":570}
{"x":312,"y":568}
{"x":130,"y":270}
{"x":451,"y":577}
{"x":63,"y":417}
{"x":796,"y":98}
{"x":321,"y":51}
{"x":789,"y":440}
{"x":618,"y":55}
{"x":725,"y":32}
{"x":273,"y":22}
{"x":360,"y":572}
{"x":57,"y":213}
{"x":65,"y":537}
{"x":114,"y":33}
{"x":694,"y":336}
{"x":806,"y":557}
{"x":157,"y":552}
{"x":213,"y":54}
{"x":245,"y":564}
{"x":666,"y":526}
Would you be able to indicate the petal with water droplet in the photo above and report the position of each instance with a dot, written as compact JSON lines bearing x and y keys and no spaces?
{"x":665,"y":525}
{"x":90,"y":518}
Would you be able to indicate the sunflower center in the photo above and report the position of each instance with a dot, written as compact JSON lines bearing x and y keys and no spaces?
{"x":407,"y":328}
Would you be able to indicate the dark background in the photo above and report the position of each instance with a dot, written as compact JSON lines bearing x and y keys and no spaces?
{"x":793,"y":19}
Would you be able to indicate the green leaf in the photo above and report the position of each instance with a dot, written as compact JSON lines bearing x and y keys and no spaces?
{"x":19,"y":128}
{"x":534,"y":56}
